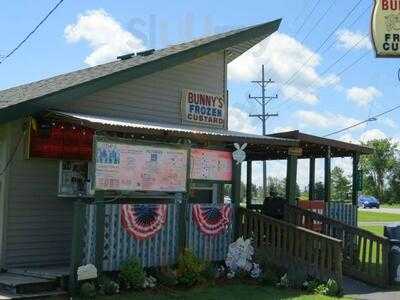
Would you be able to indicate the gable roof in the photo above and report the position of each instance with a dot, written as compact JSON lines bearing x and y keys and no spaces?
{"x":36,"y":96}
{"x":315,"y":146}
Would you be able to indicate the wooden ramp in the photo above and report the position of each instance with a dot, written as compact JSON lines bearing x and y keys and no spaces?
{"x":288,"y":244}
{"x":365,"y":255}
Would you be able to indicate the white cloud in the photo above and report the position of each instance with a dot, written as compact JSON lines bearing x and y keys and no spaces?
{"x":282,"y":129}
{"x":362,"y":96}
{"x":240,"y":121}
{"x":324,"y":120}
{"x":372,"y":134}
{"x":105,"y":36}
{"x":347,"y":39}
{"x":388,"y":122}
{"x":283,"y":57}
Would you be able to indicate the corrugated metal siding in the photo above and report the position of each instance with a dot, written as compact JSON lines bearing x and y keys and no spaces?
{"x":119,"y":246}
{"x":159,"y":250}
{"x":205,"y":247}
{"x":38,"y":229}
{"x":156,"y":97}
{"x":341,"y":211}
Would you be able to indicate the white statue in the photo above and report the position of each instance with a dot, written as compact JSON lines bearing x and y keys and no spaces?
{"x":239,"y":155}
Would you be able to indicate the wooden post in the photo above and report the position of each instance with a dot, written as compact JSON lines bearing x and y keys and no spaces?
{"x":100,"y":229}
{"x":291,"y":179}
{"x":76,"y":244}
{"x":327,"y":175}
{"x":182,"y":204}
{"x":311,"y":185}
{"x":237,"y":170}
{"x":249,"y":184}
{"x":354,"y":196}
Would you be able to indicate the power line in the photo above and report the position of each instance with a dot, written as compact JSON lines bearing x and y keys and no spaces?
{"x":370,"y":119}
{"x":318,"y":21}
{"x":294,"y":75}
{"x":32,"y":32}
{"x":307,"y":17}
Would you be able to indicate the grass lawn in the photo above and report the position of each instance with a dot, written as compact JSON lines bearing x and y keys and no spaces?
{"x":378,"y":230}
{"x":366,"y":216}
{"x":230,"y":291}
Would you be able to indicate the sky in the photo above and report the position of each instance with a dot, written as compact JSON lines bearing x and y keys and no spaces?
{"x":311,"y":58}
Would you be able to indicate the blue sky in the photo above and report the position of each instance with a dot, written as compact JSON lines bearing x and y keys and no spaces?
{"x":67,"y":42}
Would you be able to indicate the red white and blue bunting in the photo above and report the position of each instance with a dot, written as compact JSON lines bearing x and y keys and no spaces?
{"x":142,"y":221}
{"x":212,"y":220}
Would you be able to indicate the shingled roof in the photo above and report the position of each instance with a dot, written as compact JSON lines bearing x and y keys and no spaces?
{"x":37,"y":96}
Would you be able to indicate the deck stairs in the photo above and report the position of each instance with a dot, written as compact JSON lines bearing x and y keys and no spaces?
{"x":23,"y":283}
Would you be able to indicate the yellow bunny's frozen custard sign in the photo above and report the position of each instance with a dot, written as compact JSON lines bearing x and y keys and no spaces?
{"x":385,"y":25}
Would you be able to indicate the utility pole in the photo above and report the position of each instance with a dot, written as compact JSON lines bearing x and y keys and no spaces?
{"x":263,"y":100}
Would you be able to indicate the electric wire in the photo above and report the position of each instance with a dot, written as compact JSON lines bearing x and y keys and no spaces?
{"x":370,"y":119}
{"x":32,"y":32}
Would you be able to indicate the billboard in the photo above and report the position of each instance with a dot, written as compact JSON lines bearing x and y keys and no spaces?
{"x":203,"y":108}
{"x":140,"y":168}
{"x":385,"y":28}
{"x":210,"y":165}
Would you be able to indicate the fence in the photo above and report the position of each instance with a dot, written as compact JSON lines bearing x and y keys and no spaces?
{"x":287,"y":244}
{"x":365,"y":255}
{"x":160,"y":249}
{"x":342,"y":211}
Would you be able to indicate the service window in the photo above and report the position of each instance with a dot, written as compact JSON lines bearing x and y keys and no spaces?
{"x":74,"y":178}
{"x":206,"y":192}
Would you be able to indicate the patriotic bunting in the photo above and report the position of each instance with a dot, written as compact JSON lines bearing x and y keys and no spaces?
{"x":212,"y":220}
{"x":142,"y":221}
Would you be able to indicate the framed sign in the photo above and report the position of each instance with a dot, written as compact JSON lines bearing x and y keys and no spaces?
{"x":210,"y":165}
{"x":385,"y":28}
{"x":203,"y":108}
{"x":140,"y":168}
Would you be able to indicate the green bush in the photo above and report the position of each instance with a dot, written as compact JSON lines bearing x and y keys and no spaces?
{"x":132,"y":275}
{"x":296,"y":276}
{"x":109,"y":287}
{"x":166,"y":277}
{"x":88,"y":290}
{"x":271,"y":271}
{"x":330,"y":288}
{"x":189,"y":269}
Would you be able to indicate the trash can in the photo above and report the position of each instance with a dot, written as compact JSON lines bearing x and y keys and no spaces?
{"x":393,"y":234}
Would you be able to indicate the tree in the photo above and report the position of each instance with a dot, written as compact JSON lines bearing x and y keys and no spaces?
{"x":378,"y":165}
{"x":394,"y":184}
{"x":340,"y":184}
{"x":319,"y":191}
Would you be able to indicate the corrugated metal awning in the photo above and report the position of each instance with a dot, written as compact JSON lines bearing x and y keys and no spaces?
{"x":190,"y":132}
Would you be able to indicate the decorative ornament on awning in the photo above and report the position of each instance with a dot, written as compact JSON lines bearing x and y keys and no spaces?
{"x":212,"y":220}
{"x":239,"y":155}
{"x":142,"y":221}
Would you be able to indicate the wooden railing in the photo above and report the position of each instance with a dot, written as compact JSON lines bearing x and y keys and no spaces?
{"x":365,"y":255}
{"x":287,"y":244}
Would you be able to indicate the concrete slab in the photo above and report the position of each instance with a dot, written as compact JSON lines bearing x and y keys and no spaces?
{"x":358,"y":290}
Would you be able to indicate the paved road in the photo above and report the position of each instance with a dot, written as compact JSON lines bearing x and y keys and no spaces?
{"x":378,"y":224}
{"x":358,"y":290}
{"x":382,"y":210}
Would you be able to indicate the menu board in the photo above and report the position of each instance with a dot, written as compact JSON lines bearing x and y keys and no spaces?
{"x":140,"y":168}
{"x":211,"y":165}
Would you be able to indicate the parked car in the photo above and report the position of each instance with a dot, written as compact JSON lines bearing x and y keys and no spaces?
{"x":368,"y":202}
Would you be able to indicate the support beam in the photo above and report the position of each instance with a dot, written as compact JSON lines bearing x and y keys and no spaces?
{"x":311,"y":185}
{"x":100,"y":229}
{"x":237,"y":170}
{"x":249,"y":183}
{"x":356,"y":179}
{"x":291,"y":179}
{"x":76,"y":244}
{"x":327,"y":175}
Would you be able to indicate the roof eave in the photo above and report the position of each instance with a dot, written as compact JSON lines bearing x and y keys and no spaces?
{"x":41,"y":103}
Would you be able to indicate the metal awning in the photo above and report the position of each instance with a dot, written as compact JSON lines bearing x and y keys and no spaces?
{"x":176,"y":131}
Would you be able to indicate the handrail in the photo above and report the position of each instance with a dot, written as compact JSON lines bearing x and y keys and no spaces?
{"x":288,"y":244}
{"x":365,"y":255}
